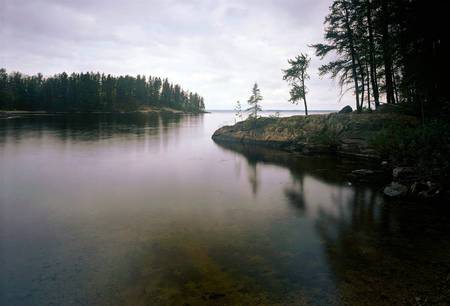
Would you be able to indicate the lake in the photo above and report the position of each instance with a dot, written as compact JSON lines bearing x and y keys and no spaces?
{"x":145,"y":209}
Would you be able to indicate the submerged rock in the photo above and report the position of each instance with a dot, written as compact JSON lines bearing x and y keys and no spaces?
{"x":395,"y":190}
{"x":361,"y":175}
{"x":362,"y":172}
{"x":368,"y":175}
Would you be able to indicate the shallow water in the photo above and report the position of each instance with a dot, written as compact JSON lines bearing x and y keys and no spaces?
{"x":148,"y":210}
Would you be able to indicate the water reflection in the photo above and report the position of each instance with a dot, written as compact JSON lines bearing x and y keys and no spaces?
{"x":94,"y":127}
{"x":379,"y":253}
{"x":147,"y":210}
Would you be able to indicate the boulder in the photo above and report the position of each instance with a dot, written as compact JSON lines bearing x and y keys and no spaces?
{"x":404,"y":174}
{"x":395,"y":190}
{"x":346,"y":109}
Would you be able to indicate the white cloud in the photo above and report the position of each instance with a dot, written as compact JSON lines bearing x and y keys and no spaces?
{"x":217,"y":48}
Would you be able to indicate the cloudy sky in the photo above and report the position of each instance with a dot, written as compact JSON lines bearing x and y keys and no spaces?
{"x":217,"y":48}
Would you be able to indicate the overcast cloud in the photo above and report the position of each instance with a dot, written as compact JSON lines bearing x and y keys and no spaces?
{"x":217,"y":48}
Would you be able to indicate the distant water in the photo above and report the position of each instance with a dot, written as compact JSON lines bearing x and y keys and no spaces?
{"x":281,"y":112}
{"x":147,"y":210}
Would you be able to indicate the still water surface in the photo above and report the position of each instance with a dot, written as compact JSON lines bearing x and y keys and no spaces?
{"x":148,"y":210}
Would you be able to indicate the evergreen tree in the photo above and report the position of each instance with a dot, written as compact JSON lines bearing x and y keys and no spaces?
{"x":238,"y":110}
{"x":92,"y":92}
{"x":254,"y":102}
{"x":296,"y":75}
{"x":340,"y":38}
{"x":381,"y":50}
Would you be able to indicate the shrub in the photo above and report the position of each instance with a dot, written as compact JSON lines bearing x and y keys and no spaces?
{"x":427,"y":145}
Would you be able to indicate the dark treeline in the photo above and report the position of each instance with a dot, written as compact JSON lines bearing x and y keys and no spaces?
{"x":89,"y":91}
{"x":392,"y":51}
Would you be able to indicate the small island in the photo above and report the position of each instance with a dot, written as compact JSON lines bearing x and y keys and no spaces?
{"x":92,"y":93}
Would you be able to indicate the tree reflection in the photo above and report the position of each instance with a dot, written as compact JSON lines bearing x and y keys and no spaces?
{"x":379,"y":253}
{"x":94,"y":127}
{"x":378,"y":258}
{"x":324,"y":168}
{"x":253,"y":176}
{"x":296,"y":194}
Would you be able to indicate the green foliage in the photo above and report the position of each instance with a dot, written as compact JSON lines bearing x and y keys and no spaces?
{"x":427,"y":145}
{"x":253,"y":101}
{"x":326,"y":137}
{"x":238,"y":110}
{"x":379,"y":50}
{"x":92,"y":92}
{"x":276,"y":115}
{"x":296,"y":75}
{"x":258,"y":123}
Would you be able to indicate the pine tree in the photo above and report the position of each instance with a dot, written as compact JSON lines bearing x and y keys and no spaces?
{"x":238,"y":110}
{"x":296,"y":75}
{"x":91,"y":92}
{"x":253,"y":101}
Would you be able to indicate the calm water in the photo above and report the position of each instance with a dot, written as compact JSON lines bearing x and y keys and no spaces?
{"x":148,"y":210}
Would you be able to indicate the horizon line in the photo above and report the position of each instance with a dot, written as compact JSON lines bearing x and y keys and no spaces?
{"x":282,"y":110}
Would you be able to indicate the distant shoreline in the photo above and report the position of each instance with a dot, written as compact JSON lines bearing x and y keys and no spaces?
{"x":280,"y":110}
{"x":16,"y":113}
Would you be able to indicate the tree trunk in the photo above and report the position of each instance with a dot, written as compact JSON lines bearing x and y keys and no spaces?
{"x":304,"y":94}
{"x":373,"y":69}
{"x":395,"y":89}
{"x":306,"y":107}
{"x":368,"y":87}
{"x":387,"y":54}
{"x":353,"y":54}
{"x":362,"y":85}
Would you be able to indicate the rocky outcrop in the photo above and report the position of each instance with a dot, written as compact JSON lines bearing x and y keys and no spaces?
{"x":346,"y":110}
{"x":352,"y":135}
{"x":344,"y":134}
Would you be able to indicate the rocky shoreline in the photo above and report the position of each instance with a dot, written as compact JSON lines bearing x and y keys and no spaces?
{"x":343,"y":134}
{"x":350,"y":135}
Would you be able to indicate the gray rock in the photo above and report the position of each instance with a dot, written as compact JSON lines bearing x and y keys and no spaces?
{"x":395,"y":190}
{"x":343,"y":134}
{"x":362,"y":172}
{"x":346,"y":109}
{"x":404,"y":174}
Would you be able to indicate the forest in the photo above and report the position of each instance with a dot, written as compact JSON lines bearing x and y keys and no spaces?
{"x":91,"y":92}
{"x":389,"y":51}
{"x":393,"y":56}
